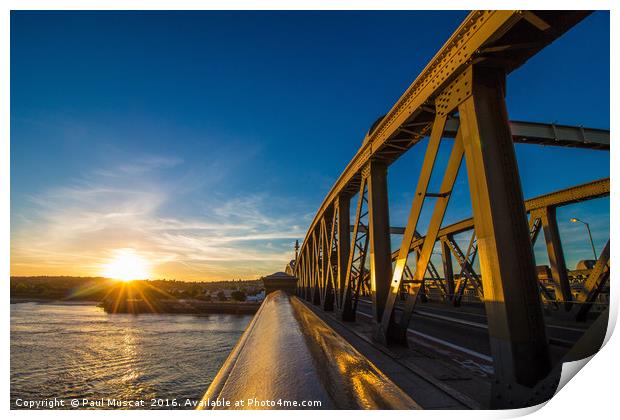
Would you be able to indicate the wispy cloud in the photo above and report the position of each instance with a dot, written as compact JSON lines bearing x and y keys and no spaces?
{"x":140,"y":166}
{"x":76,"y":228}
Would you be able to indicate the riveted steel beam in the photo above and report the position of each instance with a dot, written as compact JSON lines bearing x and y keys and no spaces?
{"x":448,"y":271}
{"x":548,"y":134}
{"x":516,"y":327}
{"x":422,"y":262}
{"x":355,"y":266}
{"x":594,"y":284}
{"x":308,"y":276}
{"x":327,"y":297}
{"x":389,"y":330}
{"x":379,"y":237}
{"x":559,"y":273}
{"x":316,"y":277}
{"x":342,"y":204}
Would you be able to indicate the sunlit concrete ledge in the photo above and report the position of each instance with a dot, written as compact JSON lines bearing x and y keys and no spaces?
{"x":288,"y":354}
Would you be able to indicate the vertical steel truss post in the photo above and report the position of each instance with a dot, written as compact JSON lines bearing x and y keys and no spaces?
{"x":301,"y":266}
{"x":559,"y":273}
{"x":448,"y":272}
{"x":316,"y":275}
{"x":328,"y":247}
{"x":299,"y":272}
{"x":305,"y":275}
{"x":310,"y":283}
{"x":355,"y":275}
{"x":379,"y":237}
{"x":516,"y":326}
{"x":309,"y":272}
{"x":342,"y":206}
{"x":306,"y":282}
{"x":388,"y":330}
{"x":322,"y":261}
{"x":535,"y":225}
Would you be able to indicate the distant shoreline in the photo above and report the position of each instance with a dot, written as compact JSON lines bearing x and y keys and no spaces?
{"x":15,"y":300}
{"x":181,"y":307}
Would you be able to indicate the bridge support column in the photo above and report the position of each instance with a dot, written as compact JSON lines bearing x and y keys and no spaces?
{"x":379,"y":231}
{"x":355,"y":270}
{"x":448,"y":272}
{"x":308,"y":286}
{"x":343,"y":204}
{"x":316,"y":274}
{"x":516,"y":326}
{"x":559,"y":274}
{"x":306,"y":275}
{"x":390,"y":330}
{"x":327,"y":268}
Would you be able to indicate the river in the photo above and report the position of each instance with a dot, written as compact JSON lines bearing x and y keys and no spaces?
{"x":77,"y":351}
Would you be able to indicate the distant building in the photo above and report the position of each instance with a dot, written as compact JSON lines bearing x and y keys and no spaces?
{"x":280,"y":281}
{"x":260,"y":296}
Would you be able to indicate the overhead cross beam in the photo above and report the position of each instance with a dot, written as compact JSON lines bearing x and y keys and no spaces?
{"x":548,"y":134}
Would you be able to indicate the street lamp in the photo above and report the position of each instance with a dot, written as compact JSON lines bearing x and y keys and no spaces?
{"x":575,"y":220}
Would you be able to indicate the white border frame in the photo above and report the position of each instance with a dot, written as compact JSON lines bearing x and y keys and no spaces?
{"x":592,"y":394}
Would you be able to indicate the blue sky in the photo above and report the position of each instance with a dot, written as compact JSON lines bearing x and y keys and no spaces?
{"x":204,"y":142}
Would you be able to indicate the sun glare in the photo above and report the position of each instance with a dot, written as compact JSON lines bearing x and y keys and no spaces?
{"x":127,"y":266}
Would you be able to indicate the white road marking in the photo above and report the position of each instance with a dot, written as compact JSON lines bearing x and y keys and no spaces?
{"x":455,"y":320}
{"x":476,"y":324}
{"x":444,"y":342}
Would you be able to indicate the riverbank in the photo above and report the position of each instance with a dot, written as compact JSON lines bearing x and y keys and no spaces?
{"x":15,"y":300}
{"x":176,"y":306}
{"x":179,"y":306}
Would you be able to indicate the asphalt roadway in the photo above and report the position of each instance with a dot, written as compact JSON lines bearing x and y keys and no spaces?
{"x":462,"y":333}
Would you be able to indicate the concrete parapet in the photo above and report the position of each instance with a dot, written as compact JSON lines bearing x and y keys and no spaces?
{"x":289,"y":355}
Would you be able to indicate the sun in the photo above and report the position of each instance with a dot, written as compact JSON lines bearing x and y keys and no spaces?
{"x":126,"y":266}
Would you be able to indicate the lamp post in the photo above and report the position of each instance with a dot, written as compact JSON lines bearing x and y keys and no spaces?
{"x":575,"y":220}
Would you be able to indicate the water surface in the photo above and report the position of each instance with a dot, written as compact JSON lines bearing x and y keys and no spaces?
{"x":78,"y":351}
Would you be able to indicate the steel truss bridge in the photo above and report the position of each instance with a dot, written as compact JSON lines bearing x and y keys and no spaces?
{"x":460,"y":98}
{"x":374,"y":327}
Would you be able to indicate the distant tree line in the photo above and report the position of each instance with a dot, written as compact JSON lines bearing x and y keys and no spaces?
{"x":99,"y":288}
